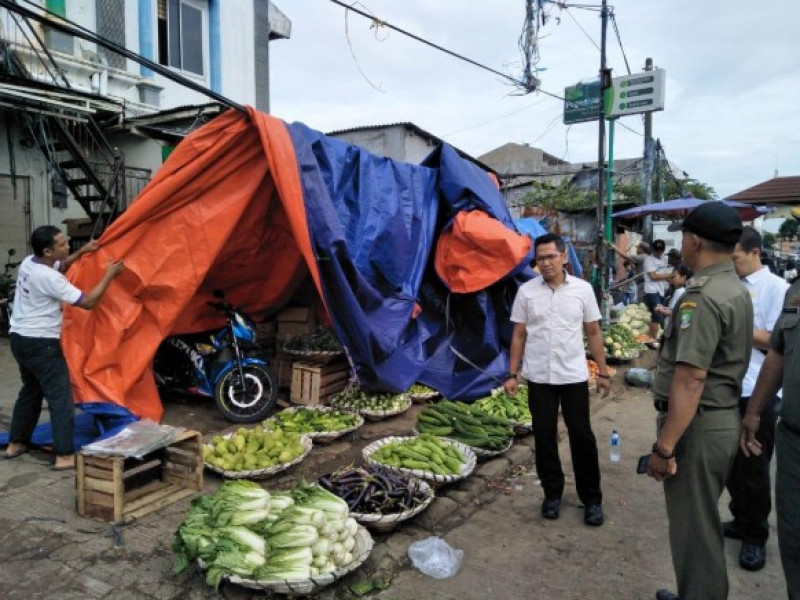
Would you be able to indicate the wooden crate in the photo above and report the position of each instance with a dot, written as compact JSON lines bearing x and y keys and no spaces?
{"x":281,"y":366}
{"x":315,"y":384}
{"x":118,"y":489}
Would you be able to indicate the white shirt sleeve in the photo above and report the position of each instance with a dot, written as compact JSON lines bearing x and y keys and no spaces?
{"x":773,"y":306}
{"x":650,"y":265}
{"x":591,"y":312}
{"x":57,"y":286}
{"x":519,"y":313}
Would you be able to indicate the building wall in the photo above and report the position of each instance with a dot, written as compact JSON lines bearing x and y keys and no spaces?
{"x":395,"y":142}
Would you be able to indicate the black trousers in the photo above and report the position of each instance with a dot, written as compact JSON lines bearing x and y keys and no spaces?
{"x":45,"y":376}
{"x":749,"y":481}
{"x":544,"y":400}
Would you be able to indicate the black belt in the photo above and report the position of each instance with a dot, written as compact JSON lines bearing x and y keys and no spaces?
{"x":663,"y":406}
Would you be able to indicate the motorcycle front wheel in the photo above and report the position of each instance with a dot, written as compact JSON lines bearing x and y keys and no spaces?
{"x":250,"y":400}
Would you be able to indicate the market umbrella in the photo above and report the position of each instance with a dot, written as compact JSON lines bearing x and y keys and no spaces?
{"x":680,"y":207}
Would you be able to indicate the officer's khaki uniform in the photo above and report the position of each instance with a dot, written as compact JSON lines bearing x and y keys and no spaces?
{"x":786,"y":340}
{"x":711,"y":328}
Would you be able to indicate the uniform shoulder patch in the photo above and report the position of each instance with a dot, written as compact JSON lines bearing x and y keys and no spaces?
{"x":697,"y":282}
{"x":685,"y":318}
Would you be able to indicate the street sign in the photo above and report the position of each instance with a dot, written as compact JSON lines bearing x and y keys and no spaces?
{"x":640,"y":93}
{"x":582,"y":103}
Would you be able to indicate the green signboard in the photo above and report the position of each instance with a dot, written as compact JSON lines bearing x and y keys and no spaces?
{"x":582,"y":103}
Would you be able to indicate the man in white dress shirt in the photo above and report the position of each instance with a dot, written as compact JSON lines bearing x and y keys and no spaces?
{"x":749,"y":480}
{"x":550,"y":314}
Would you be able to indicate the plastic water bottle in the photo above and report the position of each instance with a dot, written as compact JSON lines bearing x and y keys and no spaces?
{"x":616,"y":447}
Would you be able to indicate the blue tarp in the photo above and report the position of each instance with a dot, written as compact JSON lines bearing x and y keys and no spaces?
{"x":374,"y":223}
{"x":97,"y":421}
{"x":533,"y":228}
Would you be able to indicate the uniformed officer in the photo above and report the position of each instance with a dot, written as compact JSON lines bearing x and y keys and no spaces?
{"x":696,"y":390}
{"x":781,"y":368}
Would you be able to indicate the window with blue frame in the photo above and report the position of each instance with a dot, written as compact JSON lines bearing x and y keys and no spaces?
{"x":181,"y":34}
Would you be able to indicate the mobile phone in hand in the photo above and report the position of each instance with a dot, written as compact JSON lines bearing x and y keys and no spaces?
{"x":644,"y":461}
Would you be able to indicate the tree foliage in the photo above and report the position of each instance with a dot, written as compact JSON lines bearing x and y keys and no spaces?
{"x":788,"y":229}
{"x":768,"y":241}
{"x":563,"y":196}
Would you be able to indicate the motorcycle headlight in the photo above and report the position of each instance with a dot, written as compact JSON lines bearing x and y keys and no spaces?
{"x":246,"y":324}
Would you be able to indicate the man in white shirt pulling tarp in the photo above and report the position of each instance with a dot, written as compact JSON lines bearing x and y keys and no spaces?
{"x":550,"y":314}
{"x":35,"y":340}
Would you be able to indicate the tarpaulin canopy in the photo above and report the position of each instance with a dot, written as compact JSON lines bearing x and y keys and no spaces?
{"x":254,"y":206}
{"x":680,"y":207}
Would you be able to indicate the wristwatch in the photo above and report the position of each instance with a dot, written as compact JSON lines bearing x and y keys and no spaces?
{"x":510,"y":375}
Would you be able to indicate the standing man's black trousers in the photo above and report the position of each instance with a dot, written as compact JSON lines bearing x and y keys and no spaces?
{"x":749,"y":481}
{"x":544,"y":400}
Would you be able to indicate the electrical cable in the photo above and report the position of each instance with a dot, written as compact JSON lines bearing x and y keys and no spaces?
{"x":492,"y":120}
{"x":619,"y":39}
{"x":380,"y":23}
{"x":621,"y":124}
{"x":586,"y":33}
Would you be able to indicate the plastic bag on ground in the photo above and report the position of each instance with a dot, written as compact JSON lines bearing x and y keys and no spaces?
{"x":435,"y":557}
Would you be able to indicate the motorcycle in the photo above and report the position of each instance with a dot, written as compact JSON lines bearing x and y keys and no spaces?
{"x":231,"y":368}
{"x":7,"y":287}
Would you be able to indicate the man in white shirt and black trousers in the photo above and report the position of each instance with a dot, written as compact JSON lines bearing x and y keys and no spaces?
{"x":749,"y":480}
{"x":550,"y":314}
{"x":36,"y":340}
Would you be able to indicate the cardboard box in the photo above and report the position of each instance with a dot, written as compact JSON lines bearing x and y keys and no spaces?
{"x":315,"y":384}
{"x":118,"y":489}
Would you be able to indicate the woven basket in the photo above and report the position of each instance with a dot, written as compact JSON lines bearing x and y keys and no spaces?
{"x":423,"y":397}
{"x":521,"y":429}
{"x":324,"y":356}
{"x":305,"y":441}
{"x":322,"y":437}
{"x":383,"y":523}
{"x":304,"y":587}
{"x":430,"y":477}
{"x":378,"y":415}
{"x":480,"y":453}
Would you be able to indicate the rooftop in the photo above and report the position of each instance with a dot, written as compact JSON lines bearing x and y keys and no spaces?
{"x":778,"y":190}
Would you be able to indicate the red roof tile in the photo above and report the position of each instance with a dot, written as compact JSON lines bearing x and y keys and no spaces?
{"x":779,"y":190}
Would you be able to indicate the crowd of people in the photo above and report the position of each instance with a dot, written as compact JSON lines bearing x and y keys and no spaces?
{"x":730,"y":342}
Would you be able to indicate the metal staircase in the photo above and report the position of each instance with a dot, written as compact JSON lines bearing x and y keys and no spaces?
{"x":66,"y":126}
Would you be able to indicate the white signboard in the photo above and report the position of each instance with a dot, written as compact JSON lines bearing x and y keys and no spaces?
{"x":632,"y":94}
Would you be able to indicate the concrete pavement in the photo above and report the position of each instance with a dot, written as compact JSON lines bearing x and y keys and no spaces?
{"x":510,"y":552}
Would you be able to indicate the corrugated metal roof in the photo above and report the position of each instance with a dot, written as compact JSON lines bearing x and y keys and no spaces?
{"x":779,"y":190}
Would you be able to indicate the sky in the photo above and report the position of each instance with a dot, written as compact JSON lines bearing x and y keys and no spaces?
{"x":732,"y":77}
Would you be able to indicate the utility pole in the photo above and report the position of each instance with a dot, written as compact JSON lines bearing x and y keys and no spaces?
{"x":649,"y":154}
{"x":605,"y":84}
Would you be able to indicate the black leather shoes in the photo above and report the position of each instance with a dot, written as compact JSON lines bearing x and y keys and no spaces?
{"x":752,"y":557}
{"x":593,"y":515}
{"x":730,"y":530}
{"x":666,"y":595}
{"x":551,"y":508}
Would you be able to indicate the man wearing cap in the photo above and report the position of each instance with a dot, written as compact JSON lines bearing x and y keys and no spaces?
{"x":696,"y":392}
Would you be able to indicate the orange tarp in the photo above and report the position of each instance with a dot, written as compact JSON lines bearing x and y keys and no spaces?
{"x":477,"y":252}
{"x":225,"y":211}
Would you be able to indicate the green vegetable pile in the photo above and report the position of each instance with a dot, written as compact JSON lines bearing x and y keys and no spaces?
{"x":250,"y":449}
{"x":503,"y":406}
{"x":424,"y":452}
{"x":322,"y":339}
{"x":244,"y":530}
{"x":309,"y":420}
{"x":465,"y":424}
{"x":636,"y":317}
{"x":356,"y":399}
{"x":620,"y":342}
